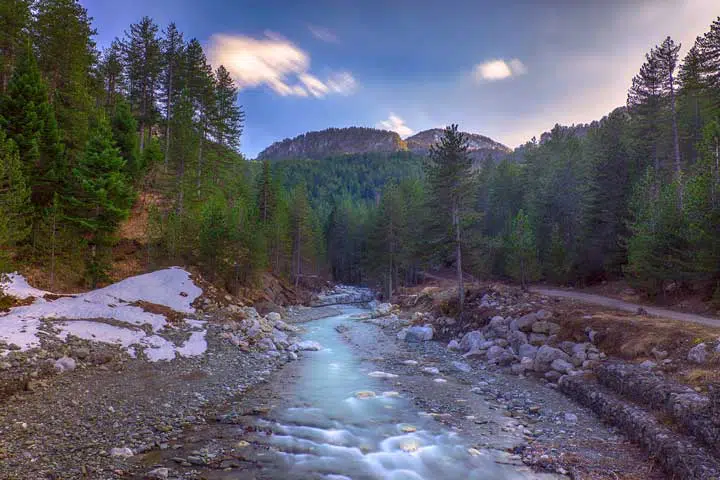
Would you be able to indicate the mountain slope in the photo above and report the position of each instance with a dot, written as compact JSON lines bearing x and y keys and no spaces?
{"x":334,"y":142}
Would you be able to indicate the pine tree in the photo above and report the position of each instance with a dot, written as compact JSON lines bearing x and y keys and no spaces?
{"x":62,"y":35}
{"x":101,"y":197}
{"x":14,"y":23}
{"x":14,"y":201}
{"x":301,"y":230}
{"x":142,"y":56}
{"x":523,"y":264}
{"x":386,"y":238}
{"x":173,"y":50}
{"x":229,"y":116}
{"x":29,"y":120}
{"x":667,"y":55}
{"x":450,"y":180}
{"x":692,"y":102}
{"x":709,"y":52}
{"x":124,"y":131}
{"x":266,"y":194}
{"x":111,"y":69}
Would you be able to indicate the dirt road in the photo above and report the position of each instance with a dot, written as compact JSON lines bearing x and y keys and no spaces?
{"x":626,"y":306}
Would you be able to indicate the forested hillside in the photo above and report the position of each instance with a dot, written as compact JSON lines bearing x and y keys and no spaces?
{"x":147,"y":123}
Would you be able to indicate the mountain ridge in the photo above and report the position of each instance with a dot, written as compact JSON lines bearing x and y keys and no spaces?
{"x":330,"y":142}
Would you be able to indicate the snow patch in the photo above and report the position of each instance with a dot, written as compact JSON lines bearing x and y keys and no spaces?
{"x":16,"y":286}
{"x":85,"y":315}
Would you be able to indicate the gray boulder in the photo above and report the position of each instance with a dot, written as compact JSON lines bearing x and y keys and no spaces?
{"x":698,"y":354}
{"x":537,"y":339}
{"x":546,"y":355}
{"x":561,"y":366}
{"x":419,"y":334}
{"x":462,"y":366}
{"x":273,"y":317}
{"x":498,"y":327}
{"x":454,"y":345}
{"x":525,"y":322}
{"x":543,"y":326}
{"x":516,"y":339}
{"x":65,"y":364}
{"x":527,"y":351}
{"x":471,"y":340}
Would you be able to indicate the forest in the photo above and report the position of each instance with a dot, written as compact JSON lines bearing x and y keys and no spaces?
{"x":88,"y":135}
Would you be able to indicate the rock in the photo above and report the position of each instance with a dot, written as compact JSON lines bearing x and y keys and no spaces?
{"x":486,"y":344}
{"x":454,"y":345}
{"x":500,"y":355}
{"x":402,"y":334}
{"x":266,"y":344}
{"x":567,"y":347}
{"x":546,"y":327}
{"x":462,"y":366}
{"x":649,"y":364}
{"x":537,"y":339}
{"x":475,"y":354}
{"x":274,"y":317}
{"x":527,"y":351}
{"x":383,"y":309}
{"x":431,"y":370}
{"x":498,"y":327}
{"x":309,"y":345}
{"x":378,"y":374}
{"x":553,"y":376}
{"x":65,"y":364}
{"x":280,"y":338}
{"x":525,"y":322}
{"x":543,"y":314}
{"x":122,"y":452}
{"x":159,"y":473}
{"x":516,"y":339}
{"x":546,"y":355}
{"x":419,"y":334}
{"x":581,"y":350}
{"x":81,"y":353}
{"x":571,"y":418}
{"x":661,"y":354}
{"x":698,"y":354}
{"x":471,"y":340}
{"x":561,"y":365}
{"x":410,"y":362}
{"x":501,"y":342}
{"x":495,"y":352}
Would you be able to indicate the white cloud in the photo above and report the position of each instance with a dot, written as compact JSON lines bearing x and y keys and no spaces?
{"x":323,"y":34}
{"x":395,"y":124}
{"x":499,"y":69}
{"x":274,"y":62}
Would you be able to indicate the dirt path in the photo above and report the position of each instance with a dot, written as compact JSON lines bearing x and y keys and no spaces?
{"x":626,"y":306}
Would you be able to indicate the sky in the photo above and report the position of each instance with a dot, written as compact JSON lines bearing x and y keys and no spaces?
{"x":508,"y":69}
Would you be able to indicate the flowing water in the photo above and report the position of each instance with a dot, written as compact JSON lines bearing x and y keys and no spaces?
{"x":347,"y":425}
{"x":337,"y":422}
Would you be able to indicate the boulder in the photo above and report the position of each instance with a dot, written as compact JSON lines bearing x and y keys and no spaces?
{"x":486,"y":344}
{"x":454,"y":345}
{"x":561,"y":366}
{"x":553,"y":376}
{"x":471,"y":340}
{"x":498,"y":327}
{"x":698,"y":354}
{"x":537,"y":339}
{"x":266,"y":344}
{"x":431,"y":370}
{"x":546,"y":355}
{"x":567,"y":347}
{"x":543,"y":314}
{"x":499,"y":355}
{"x":65,"y":364}
{"x":516,"y":339}
{"x":543,"y":326}
{"x":273,"y":317}
{"x":462,"y":366}
{"x":419,"y":334}
{"x":122,"y":452}
{"x":475,"y":354}
{"x":527,"y":351}
{"x":383,"y":309}
{"x":525,"y":322}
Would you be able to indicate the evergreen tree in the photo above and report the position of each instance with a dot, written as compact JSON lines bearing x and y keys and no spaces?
{"x":450,"y":179}
{"x":266,"y":194}
{"x":173,"y":48}
{"x":101,"y":197}
{"x":14,"y":23}
{"x":691,"y":103}
{"x":386,"y":238}
{"x":111,"y":69}
{"x":124,"y":131}
{"x":301,"y":231}
{"x":142,"y":56}
{"x":522,"y":252}
{"x":229,"y":116}
{"x":14,"y":201}
{"x":62,"y":35}
{"x":29,"y":120}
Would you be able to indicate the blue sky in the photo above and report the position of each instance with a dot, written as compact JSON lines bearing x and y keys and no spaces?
{"x":505,"y":69}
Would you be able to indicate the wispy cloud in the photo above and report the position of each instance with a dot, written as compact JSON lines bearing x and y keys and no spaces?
{"x":395,"y":124}
{"x":499,"y":69}
{"x":323,"y":34}
{"x":275,"y":62}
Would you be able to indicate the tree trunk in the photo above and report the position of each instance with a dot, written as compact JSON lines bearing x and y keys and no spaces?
{"x":676,"y":143}
{"x":168,"y":115}
{"x":458,"y":256}
{"x":200,"y":157}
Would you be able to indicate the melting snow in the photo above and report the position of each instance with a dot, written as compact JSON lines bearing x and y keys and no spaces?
{"x":16,"y":286}
{"x":83,"y":315}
